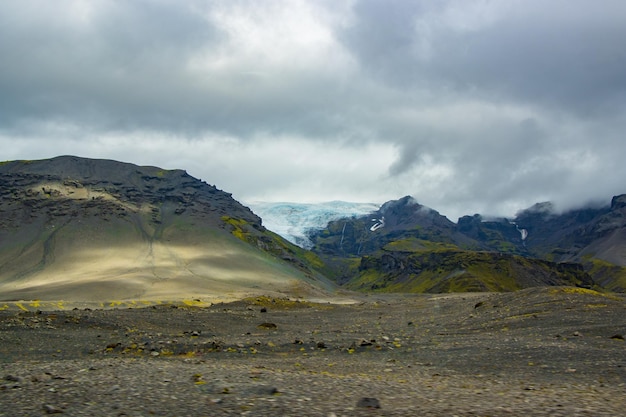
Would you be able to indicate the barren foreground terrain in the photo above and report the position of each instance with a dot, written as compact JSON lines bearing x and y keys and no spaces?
{"x":537,"y":352}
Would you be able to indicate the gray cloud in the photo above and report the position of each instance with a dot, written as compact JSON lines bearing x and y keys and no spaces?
{"x":469,"y":106}
{"x":564,"y":53}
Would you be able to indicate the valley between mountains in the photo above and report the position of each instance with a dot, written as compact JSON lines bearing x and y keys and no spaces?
{"x":84,"y":230}
{"x":132,"y":290}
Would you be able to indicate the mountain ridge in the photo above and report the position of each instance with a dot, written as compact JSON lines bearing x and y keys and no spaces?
{"x":594,"y":237}
{"x":74,"y":227}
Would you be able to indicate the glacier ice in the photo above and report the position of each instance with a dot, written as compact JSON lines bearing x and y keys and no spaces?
{"x":293,"y":220}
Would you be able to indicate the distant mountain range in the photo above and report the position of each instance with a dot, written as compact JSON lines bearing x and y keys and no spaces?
{"x":584,"y":247}
{"x":84,"y":229}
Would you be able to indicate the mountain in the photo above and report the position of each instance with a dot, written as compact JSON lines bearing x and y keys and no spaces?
{"x":456,"y":270}
{"x":537,"y":231}
{"x":85,"y":229}
{"x":393,"y":221}
{"x":294,"y":221}
{"x":379,"y":251}
{"x":592,"y":236}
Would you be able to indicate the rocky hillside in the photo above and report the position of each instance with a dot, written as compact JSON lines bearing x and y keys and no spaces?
{"x":76,"y":228}
{"x":405,"y":246}
{"x":443,"y":271}
{"x":592,"y":236}
{"x":394,"y":221}
{"x":83,"y":229}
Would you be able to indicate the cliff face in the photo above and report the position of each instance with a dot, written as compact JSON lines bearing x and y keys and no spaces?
{"x":75,"y":227}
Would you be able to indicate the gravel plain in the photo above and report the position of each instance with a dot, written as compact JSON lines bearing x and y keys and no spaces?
{"x":536,"y":352}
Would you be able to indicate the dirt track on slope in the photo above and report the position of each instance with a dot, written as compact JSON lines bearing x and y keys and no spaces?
{"x":552,"y":351}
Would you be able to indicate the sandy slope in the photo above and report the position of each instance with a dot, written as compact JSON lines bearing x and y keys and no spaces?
{"x":77,"y":229}
{"x":124,"y":265}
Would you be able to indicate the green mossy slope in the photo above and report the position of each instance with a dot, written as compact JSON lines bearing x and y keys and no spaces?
{"x":449,"y":270}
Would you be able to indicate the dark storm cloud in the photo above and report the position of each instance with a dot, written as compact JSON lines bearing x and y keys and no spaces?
{"x":117,"y":65}
{"x":566,"y":53}
{"x":467,"y":105}
{"x":559,"y":65}
{"x":129,"y":65}
{"x":566,"y":57}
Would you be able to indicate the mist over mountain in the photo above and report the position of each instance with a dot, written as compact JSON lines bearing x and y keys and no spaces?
{"x":593,"y":238}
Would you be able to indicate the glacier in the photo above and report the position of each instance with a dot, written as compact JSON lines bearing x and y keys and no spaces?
{"x":293,"y":221}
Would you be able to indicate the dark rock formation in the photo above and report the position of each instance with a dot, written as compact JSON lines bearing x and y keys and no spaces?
{"x":593,"y":237}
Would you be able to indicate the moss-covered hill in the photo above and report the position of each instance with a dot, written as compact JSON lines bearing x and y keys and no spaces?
{"x":441,"y":271}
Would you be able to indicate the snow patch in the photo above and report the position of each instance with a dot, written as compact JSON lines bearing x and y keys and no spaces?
{"x":379,"y":224}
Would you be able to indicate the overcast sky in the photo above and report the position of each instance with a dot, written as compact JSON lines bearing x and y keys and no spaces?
{"x":469,"y":106}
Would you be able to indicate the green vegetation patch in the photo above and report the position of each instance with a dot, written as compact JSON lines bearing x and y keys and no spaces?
{"x":278,"y":248}
{"x":584,"y":291}
{"x":446,"y":271}
{"x":609,"y":276}
{"x":238,"y":227}
{"x":413,"y":244}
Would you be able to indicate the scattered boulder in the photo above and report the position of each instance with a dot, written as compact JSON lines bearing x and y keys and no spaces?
{"x":50,"y":409}
{"x":12,"y":378}
{"x":368,"y":402}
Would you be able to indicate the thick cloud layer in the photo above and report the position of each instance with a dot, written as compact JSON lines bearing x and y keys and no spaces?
{"x":469,"y":106}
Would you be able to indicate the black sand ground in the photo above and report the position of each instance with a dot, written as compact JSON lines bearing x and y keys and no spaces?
{"x":544,"y":352}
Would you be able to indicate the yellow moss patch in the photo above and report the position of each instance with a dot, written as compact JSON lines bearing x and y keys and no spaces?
{"x":237,"y":225}
{"x":574,"y":290}
{"x":583,"y":291}
{"x":195,"y":303}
